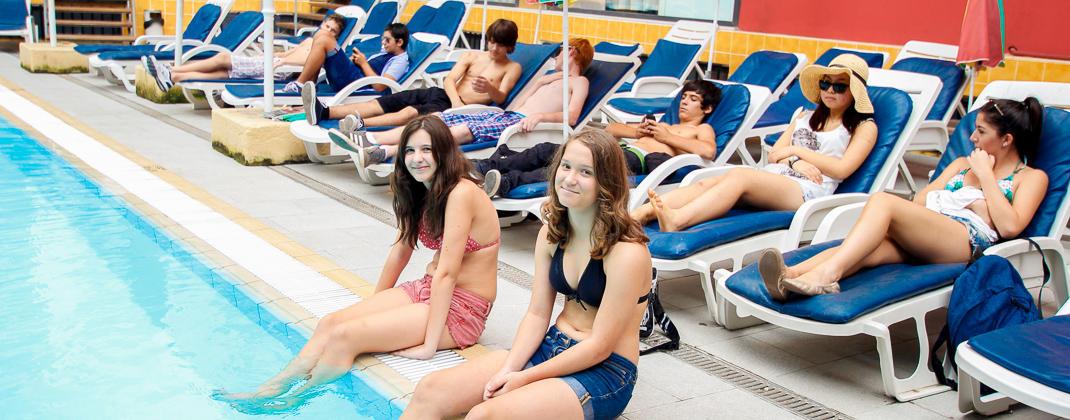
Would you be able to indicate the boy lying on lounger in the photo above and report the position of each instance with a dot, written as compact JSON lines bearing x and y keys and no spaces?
{"x":655,"y":143}
{"x":229,"y":66}
{"x":478,"y":78}
{"x":543,"y":104}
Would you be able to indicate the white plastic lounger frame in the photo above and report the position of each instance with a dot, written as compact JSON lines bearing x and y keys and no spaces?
{"x":211,"y":89}
{"x":922,"y":381}
{"x":343,"y":95}
{"x":975,"y":369}
{"x":28,"y":32}
{"x":759,"y":96}
{"x":121,"y":71}
{"x":922,"y":89}
{"x":683,"y":32}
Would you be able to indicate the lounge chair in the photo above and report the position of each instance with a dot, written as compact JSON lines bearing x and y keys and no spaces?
{"x":901,"y":101}
{"x":671,"y":61}
{"x":15,"y":20}
{"x":1024,"y":363}
{"x":199,"y":91}
{"x":201,"y":28}
{"x":771,"y":69}
{"x":533,"y":59}
{"x":236,"y":36}
{"x":937,"y":60}
{"x":874,"y":299}
{"x":368,"y":23}
{"x":618,"y":48}
{"x":605,"y":75}
{"x":421,"y":47}
{"x":740,"y":105}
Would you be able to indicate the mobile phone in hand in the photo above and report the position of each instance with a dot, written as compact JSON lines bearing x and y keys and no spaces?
{"x":650,"y":117}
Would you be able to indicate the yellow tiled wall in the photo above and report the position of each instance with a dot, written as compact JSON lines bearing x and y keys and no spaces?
{"x":189,"y":7}
{"x":730,"y":47}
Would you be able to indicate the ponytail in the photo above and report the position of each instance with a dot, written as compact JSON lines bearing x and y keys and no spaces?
{"x":1023,"y":120}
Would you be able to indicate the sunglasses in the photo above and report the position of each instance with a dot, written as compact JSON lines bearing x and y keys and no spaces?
{"x":838,"y":87}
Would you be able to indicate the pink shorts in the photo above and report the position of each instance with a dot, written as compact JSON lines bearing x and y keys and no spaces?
{"x":468,"y":311}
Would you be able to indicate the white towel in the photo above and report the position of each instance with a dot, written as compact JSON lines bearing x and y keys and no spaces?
{"x":956,"y":203}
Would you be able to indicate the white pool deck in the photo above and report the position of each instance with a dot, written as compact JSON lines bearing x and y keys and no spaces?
{"x":840,"y":373}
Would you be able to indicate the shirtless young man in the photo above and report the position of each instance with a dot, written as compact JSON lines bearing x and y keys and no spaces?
{"x":655,"y":143}
{"x":478,"y":78}
{"x":225,"y":65}
{"x":543,"y":104}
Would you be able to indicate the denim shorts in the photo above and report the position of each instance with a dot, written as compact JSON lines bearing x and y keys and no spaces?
{"x":603,"y":389}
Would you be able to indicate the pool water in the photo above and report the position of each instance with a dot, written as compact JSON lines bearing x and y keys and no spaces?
{"x":105,"y":316}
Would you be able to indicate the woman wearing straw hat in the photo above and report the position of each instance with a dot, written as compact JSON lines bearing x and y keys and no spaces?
{"x":817,"y":151}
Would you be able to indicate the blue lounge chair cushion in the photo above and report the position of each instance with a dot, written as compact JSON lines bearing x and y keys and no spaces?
{"x":949,"y":73}
{"x":615,"y":49}
{"x":861,"y":293}
{"x":765,"y":68}
{"x":447,"y":20}
{"x":735,"y":225}
{"x":669,"y":59}
{"x":641,"y":106}
{"x":231,"y":37}
{"x":323,"y":90}
{"x":12,"y":15}
{"x":199,"y":27}
{"x":892,"y":108}
{"x":874,"y":60}
{"x":1053,"y":158}
{"x":224,"y":81}
{"x":1035,"y":350}
{"x":602,"y":76}
{"x":440,"y":67}
{"x":379,"y":18}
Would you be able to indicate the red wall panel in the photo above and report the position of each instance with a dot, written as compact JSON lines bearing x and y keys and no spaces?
{"x":1034,"y":27}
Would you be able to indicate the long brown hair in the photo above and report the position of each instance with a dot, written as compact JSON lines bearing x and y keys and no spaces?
{"x":612,"y":223}
{"x":413,"y":201}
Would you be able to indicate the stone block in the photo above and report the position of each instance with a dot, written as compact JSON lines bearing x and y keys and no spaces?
{"x":145,"y":86}
{"x":42,"y":57}
{"x":249,"y":138}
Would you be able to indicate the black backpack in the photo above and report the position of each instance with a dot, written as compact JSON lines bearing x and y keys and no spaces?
{"x":655,"y":314}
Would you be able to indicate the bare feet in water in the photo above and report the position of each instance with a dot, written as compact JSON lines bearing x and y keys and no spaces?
{"x":667,"y":219}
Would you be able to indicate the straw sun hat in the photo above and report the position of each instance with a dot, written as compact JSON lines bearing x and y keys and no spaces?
{"x":849,"y":64}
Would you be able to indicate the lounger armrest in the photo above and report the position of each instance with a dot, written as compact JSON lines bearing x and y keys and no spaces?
{"x":838,"y":222}
{"x":638,"y":195}
{"x":288,"y":68}
{"x":153,"y":39}
{"x":306,"y":30}
{"x":543,"y":133}
{"x":655,"y":87}
{"x":473,"y":109}
{"x":187,"y":55}
{"x":458,"y":53}
{"x":362,"y":83}
{"x":809,"y":216}
{"x":700,"y":174}
{"x":1023,"y":255}
{"x":169,"y":46}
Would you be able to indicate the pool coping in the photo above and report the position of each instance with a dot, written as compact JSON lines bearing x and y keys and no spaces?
{"x":389,"y":382}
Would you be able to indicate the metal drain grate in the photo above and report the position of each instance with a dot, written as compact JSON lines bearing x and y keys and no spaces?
{"x":749,"y":381}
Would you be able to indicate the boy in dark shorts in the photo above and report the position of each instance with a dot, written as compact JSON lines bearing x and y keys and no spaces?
{"x":477,"y":78}
{"x":654,"y":143}
{"x":391,"y":62}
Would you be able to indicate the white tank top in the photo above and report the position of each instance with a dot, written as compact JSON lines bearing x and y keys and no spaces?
{"x":831,"y":143}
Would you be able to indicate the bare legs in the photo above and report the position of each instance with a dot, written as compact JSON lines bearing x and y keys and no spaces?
{"x":890,"y":230}
{"x":373,"y":115}
{"x":387,"y":321}
{"x":216,"y":67}
{"x":454,"y":391}
{"x":389,"y":139}
{"x":712,"y":198}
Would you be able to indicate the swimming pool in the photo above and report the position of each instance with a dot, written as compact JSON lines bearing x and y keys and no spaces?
{"x":106,"y":316}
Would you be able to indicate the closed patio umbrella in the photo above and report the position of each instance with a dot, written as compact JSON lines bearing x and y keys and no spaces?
{"x":982,"y":40}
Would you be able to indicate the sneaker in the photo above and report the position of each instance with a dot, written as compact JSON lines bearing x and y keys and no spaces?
{"x":314,"y":110}
{"x":492,"y":180}
{"x":163,"y":74}
{"x":343,"y":140}
{"x":369,"y":156}
{"x":291,"y":87}
{"x":148,"y":65}
{"x":353,"y":125}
